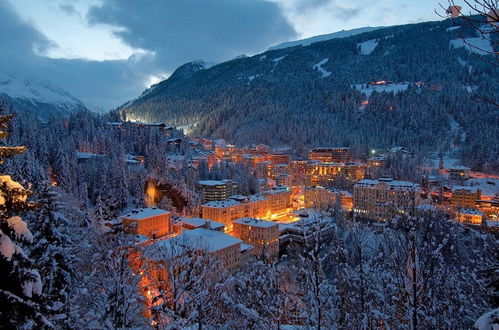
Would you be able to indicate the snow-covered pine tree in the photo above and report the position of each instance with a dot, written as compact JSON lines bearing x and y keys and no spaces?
{"x":20,"y":282}
{"x":53,"y":254}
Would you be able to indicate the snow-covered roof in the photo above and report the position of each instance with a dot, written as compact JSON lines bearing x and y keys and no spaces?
{"x":459,"y":168}
{"x":255,"y":222}
{"x":199,"y":222}
{"x":245,"y":247}
{"x":467,"y":188}
{"x":139,"y":214}
{"x":211,"y":182}
{"x":221,"y":204}
{"x":210,"y":239}
{"x":394,"y":184}
{"x":470,"y":212}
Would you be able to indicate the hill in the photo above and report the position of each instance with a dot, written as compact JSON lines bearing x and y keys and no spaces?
{"x":320,"y":95}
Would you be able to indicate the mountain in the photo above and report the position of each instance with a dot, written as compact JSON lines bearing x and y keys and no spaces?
{"x":320,"y":95}
{"x":324,"y":37}
{"x":38,"y":96}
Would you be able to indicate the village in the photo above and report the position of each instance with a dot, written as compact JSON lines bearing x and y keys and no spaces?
{"x":292,"y":193}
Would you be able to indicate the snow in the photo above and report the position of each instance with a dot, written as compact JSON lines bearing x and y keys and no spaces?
{"x":201,"y":238}
{"x":488,"y":186}
{"x":480,"y":46}
{"x":199,"y":222}
{"x":488,"y":321}
{"x":324,"y":37}
{"x":144,"y":213}
{"x":33,"y":286}
{"x":255,"y":223}
{"x":452,"y":28}
{"x":20,"y":228}
{"x":276,"y":60}
{"x":37,"y":91}
{"x":394,"y":184}
{"x":318,"y":66}
{"x":211,"y":183}
{"x":12,"y":185}
{"x":7,"y":248}
{"x":388,"y":88}
{"x":367,"y":47}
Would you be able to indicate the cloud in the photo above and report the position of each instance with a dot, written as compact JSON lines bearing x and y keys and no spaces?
{"x":170,"y":33}
{"x":178,"y":31}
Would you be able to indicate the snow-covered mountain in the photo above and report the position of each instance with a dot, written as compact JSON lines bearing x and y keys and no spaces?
{"x":324,"y":37}
{"x":38,"y":96}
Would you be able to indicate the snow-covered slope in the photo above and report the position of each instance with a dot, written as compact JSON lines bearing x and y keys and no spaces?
{"x":323,"y":37}
{"x":37,"y":95}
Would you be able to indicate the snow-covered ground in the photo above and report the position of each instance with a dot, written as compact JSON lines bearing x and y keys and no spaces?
{"x":367,"y":89}
{"x":452,"y":28}
{"x":367,"y":47}
{"x":480,"y":46}
{"x":318,"y":66}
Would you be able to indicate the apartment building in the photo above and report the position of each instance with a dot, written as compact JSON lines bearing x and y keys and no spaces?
{"x":217,"y":190}
{"x":470,"y":216}
{"x":330,"y":154}
{"x":384,"y":198}
{"x":236,"y":207}
{"x":151,"y":222}
{"x":279,"y":199}
{"x":465,"y":196}
{"x":261,"y":234}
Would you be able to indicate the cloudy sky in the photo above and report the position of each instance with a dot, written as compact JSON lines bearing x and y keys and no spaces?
{"x":107,"y":51}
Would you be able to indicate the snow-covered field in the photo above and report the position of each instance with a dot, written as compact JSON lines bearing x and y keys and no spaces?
{"x":480,"y":46}
{"x":318,"y":66}
{"x":367,"y":47}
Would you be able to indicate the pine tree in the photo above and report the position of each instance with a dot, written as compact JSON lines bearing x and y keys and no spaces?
{"x":53,"y":254}
{"x":20,"y":282}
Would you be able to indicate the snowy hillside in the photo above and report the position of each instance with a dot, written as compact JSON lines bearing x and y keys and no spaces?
{"x":324,"y":37}
{"x":33,"y":94}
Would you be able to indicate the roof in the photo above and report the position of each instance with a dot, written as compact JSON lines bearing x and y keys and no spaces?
{"x":255,"y":222}
{"x":139,"y":214}
{"x":459,"y":168}
{"x":470,"y":212}
{"x":468,"y":188}
{"x":199,"y":222}
{"x":211,"y":182}
{"x":220,"y":204}
{"x":394,"y":184}
{"x":210,"y":239}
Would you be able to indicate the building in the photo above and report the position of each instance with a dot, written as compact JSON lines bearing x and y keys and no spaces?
{"x":284,"y":180}
{"x":330,"y":155}
{"x":279,"y":200}
{"x":384,"y":198}
{"x":376,"y":161}
{"x":317,"y":172}
{"x":279,"y":158}
{"x":465,"y":196}
{"x":217,"y":190}
{"x":459,"y":173}
{"x":279,"y":169}
{"x":470,"y":216}
{"x":262,"y":235}
{"x":195,"y":223}
{"x":151,"y":222}
{"x":324,"y":198}
{"x":237,"y":207}
{"x":355,"y":171}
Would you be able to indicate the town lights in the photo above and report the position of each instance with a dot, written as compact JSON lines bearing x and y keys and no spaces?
{"x":373,"y":151}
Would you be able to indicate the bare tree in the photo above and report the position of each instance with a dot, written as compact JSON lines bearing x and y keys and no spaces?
{"x":479,"y":13}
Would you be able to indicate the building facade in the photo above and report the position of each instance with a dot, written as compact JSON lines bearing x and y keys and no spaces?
{"x":151,"y":222}
{"x":217,"y":190}
{"x":465,"y":196}
{"x":262,"y":235}
{"x":384,"y":198}
{"x":330,"y":155}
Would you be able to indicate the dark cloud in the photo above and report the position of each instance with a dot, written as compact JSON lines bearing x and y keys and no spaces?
{"x":68,"y":9}
{"x":99,"y":84}
{"x":175,"y":32}
{"x":183,"y":30}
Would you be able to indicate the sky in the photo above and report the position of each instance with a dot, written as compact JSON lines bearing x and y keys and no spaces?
{"x":106,"y":52}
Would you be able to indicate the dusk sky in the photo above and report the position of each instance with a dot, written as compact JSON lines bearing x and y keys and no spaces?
{"x":107,"y":51}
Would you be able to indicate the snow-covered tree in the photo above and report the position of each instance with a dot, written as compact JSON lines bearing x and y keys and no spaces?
{"x":20,"y":281}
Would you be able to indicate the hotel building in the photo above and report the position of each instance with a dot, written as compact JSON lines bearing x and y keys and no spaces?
{"x":384,"y":198}
{"x":151,"y":222}
{"x":263,"y":235}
